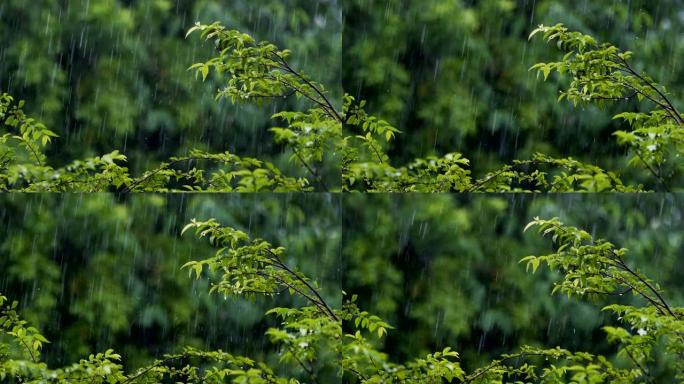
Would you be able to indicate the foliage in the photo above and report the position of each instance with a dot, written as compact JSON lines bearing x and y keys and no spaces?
{"x":597,"y":75}
{"x":442,"y":270}
{"x":318,"y":336}
{"x":112,"y":75}
{"x":94,"y":89}
{"x":602,"y":73}
{"x":450,"y":173}
{"x":31,"y":173}
{"x":237,"y":174}
{"x":258,"y":71}
{"x":100,"y":271}
{"x":28,"y":135}
{"x":255,"y":72}
{"x":595,"y":267}
{"x":455,"y":78}
{"x":261,"y":71}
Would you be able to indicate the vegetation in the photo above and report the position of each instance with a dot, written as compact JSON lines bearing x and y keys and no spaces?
{"x":258,"y":71}
{"x":318,"y":337}
{"x":112,"y":75}
{"x":601,"y":72}
{"x":455,"y":78}
{"x":420,"y":96}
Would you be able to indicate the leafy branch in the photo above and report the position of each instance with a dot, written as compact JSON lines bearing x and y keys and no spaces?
{"x":354,"y":142}
{"x":595,"y":267}
{"x":321,"y":337}
{"x":601,"y":72}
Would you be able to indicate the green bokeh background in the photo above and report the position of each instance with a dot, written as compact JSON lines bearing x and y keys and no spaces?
{"x":444,"y":269}
{"x":100,"y":271}
{"x":95,"y":271}
{"x":112,"y":75}
{"x":454,"y":75}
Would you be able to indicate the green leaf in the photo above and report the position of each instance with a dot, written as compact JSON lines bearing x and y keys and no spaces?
{"x":205,"y":72}
{"x":188,"y":226}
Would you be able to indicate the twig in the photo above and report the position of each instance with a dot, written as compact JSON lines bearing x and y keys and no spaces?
{"x":159,"y":363}
{"x":310,"y":84}
{"x":646,"y":283}
{"x":154,"y":172}
{"x":656,"y":89}
{"x":306,"y":283}
{"x":653,"y":171}
{"x":306,"y":368}
{"x":311,"y":171}
{"x":639,"y":365}
{"x":30,"y":351}
{"x":499,"y":363}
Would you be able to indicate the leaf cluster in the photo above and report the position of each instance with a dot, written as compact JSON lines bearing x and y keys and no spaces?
{"x":601,"y":73}
{"x":258,"y":71}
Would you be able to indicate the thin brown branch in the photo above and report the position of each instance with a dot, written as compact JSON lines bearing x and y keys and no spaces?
{"x":498,"y":363}
{"x":156,"y":364}
{"x":308,"y":369}
{"x":322,"y":306}
{"x":156,"y":171}
{"x":30,"y":351}
{"x":310,"y":170}
{"x":656,"y":89}
{"x":313,"y":86}
{"x":647,"y":284}
{"x":653,"y":171}
{"x":307,"y":284}
{"x":639,"y":365}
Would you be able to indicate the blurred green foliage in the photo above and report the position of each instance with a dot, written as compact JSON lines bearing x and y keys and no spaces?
{"x":112,"y":75}
{"x":99,"y":271}
{"x":444,"y":270}
{"x":95,"y":271}
{"x":454,"y":76}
